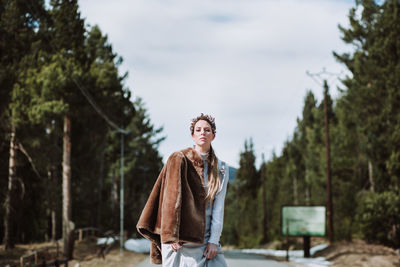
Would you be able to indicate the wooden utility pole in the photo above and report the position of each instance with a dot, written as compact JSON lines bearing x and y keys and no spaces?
{"x":328,"y":165}
{"x":329,"y":208}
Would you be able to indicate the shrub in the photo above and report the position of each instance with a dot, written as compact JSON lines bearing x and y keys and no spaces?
{"x":378,"y":215}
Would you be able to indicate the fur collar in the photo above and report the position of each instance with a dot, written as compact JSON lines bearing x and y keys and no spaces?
{"x":194,"y":157}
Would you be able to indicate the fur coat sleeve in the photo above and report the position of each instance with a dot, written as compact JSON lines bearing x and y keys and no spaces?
{"x":175,"y":210}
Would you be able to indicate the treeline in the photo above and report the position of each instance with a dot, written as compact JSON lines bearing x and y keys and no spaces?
{"x":365,"y":147}
{"x":63,"y":104}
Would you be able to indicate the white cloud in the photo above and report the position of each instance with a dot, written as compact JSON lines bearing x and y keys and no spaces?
{"x":242,"y":61}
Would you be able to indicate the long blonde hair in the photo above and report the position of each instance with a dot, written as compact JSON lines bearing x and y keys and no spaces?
{"x":214,"y":179}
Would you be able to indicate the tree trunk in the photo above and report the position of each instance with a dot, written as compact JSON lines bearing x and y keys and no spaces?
{"x":67,"y":224}
{"x":100,"y":187}
{"x":114,"y":195}
{"x":53,"y":226}
{"x":295,"y":192}
{"x":371,"y":176}
{"x":9,"y":199}
{"x":53,"y":202}
{"x":295,"y":195}
{"x":54,"y":185}
{"x":329,"y":212}
{"x":264,"y":200}
{"x":307,"y":191}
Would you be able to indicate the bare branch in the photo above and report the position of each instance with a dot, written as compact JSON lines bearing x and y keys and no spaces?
{"x":22,"y":149}
{"x":22,"y":187}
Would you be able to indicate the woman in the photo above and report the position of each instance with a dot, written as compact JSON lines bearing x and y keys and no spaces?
{"x":183,"y":216}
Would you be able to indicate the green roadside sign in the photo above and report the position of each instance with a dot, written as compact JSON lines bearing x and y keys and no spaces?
{"x":303,"y":220}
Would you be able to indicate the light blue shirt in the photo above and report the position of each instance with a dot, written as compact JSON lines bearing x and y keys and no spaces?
{"x":215,"y":213}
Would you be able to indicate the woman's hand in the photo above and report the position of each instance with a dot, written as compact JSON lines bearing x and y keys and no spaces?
{"x":211,"y":251}
{"x":176,"y":246}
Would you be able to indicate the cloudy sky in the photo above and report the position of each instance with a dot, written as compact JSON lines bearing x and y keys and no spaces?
{"x":243,"y":61}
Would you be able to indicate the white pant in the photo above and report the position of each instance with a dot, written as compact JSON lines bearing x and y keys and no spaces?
{"x":190,"y":255}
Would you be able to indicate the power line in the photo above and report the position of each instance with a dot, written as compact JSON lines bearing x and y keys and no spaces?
{"x":83,"y":90}
{"x":97,"y":108}
{"x":319,"y":77}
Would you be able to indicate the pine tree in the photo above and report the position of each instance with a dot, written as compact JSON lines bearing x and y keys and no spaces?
{"x":305,"y":127}
{"x":373,"y":90}
{"x":246,"y":193}
{"x":275,"y":170}
{"x":143,"y":163}
{"x":67,"y":39}
{"x":18,"y":24}
{"x":369,"y":110}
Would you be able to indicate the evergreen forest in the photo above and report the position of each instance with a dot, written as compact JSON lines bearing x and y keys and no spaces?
{"x":64,"y":109}
{"x":364,"y":132}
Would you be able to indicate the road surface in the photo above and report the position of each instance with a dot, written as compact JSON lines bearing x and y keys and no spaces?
{"x":236,"y":259}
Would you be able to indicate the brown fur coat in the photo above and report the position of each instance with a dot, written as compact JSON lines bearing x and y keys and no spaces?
{"x":175,"y":210}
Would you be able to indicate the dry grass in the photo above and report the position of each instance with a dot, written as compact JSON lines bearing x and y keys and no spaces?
{"x":85,"y":254}
{"x":360,"y":254}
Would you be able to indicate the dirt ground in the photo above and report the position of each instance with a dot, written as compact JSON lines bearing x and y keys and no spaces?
{"x":360,"y":254}
{"x":344,"y":254}
{"x":112,"y":258}
{"x":86,"y":254}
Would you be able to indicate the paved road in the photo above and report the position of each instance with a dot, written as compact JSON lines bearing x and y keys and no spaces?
{"x":236,"y":259}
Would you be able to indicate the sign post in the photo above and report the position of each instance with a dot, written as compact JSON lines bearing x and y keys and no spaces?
{"x":304,"y":221}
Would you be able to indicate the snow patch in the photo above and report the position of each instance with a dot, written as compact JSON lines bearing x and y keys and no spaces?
{"x":143,"y":246}
{"x":138,"y":245}
{"x":109,"y":240}
{"x":295,"y":255}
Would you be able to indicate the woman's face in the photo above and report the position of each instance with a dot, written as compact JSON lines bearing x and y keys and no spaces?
{"x":202,"y":134}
